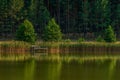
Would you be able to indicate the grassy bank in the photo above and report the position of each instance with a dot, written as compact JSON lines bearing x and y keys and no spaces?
{"x":63,"y":48}
{"x":14,"y":47}
{"x":66,"y":51}
{"x":75,"y":43}
{"x":82,"y":48}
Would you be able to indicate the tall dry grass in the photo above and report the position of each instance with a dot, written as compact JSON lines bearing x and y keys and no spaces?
{"x":14,"y":47}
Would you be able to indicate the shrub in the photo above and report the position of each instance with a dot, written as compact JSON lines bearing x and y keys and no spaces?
{"x":52,"y":32}
{"x":67,"y":40}
{"x":26,"y":32}
{"x":109,"y":35}
{"x":100,"y":39}
{"x":81,"y":40}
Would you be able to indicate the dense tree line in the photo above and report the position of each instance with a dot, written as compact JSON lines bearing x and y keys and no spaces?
{"x":76,"y":18}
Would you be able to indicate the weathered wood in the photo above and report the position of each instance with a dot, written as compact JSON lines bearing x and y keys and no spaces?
{"x":36,"y":50}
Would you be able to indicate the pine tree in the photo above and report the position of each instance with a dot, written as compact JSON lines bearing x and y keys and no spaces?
{"x":52,"y":32}
{"x":85,"y":16}
{"x":100,"y":16}
{"x":116,"y":21}
{"x":109,"y":35}
{"x":10,"y":7}
{"x":37,"y":13}
{"x":26,"y":32}
{"x":95,"y":17}
{"x":8,"y":15}
{"x":106,"y":13}
{"x":43,"y":16}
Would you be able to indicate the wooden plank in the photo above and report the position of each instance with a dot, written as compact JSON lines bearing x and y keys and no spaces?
{"x":36,"y":50}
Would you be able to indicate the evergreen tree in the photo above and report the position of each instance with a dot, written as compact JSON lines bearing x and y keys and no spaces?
{"x":8,"y":15}
{"x":75,"y":17}
{"x":42,"y":16}
{"x":26,"y":32}
{"x":116,"y":20}
{"x":109,"y":35}
{"x":37,"y":13}
{"x":85,"y":16}
{"x":99,"y":16}
{"x":9,"y":8}
{"x":106,"y":13}
{"x":95,"y":17}
{"x":52,"y":32}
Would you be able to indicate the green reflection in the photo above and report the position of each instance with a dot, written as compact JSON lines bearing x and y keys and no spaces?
{"x":58,"y":70}
{"x":112,"y":68}
{"x":54,"y":71}
{"x":29,"y":70}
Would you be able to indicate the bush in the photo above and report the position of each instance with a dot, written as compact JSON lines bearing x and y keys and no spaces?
{"x":67,"y":40}
{"x":81,"y":40}
{"x":52,"y":32}
{"x":26,"y":32}
{"x":109,"y":35}
{"x":100,"y":39}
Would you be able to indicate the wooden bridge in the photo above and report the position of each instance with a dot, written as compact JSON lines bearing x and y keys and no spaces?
{"x":37,"y":51}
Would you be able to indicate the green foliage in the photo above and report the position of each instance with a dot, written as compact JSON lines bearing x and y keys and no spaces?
{"x":10,"y":7}
{"x":118,"y":13}
{"x":100,"y":39}
{"x":13,"y":44}
{"x":81,"y":40}
{"x":43,"y":14}
{"x":109,"y":35}
{"x":87,"y":17}
{"x":38,"y":14}
{"x":8,"y":15}
{"x":67,"y":40}
{"x":26,"y":32}
{"x":52,"y":32}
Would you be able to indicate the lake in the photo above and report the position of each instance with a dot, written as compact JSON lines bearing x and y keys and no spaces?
{"x":53,"y":70}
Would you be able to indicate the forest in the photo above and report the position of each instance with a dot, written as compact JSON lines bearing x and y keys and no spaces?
{"x":76,"y":18}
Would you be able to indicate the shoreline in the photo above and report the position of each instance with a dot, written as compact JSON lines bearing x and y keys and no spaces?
{"x":67,"y":48}
{"x":54,"y":58}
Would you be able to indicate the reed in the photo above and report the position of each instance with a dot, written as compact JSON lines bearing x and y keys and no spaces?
{"x":78,"y":59}
{"x":90,"y":48}
{"x":15,"y":58}
{"x":63,"y":48}
{"x":15,"y":44}
{"x":14,"y":47}
{"x":82,"y":48}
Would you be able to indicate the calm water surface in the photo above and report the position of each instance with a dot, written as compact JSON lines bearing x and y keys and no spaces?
{"x":47,"y":70}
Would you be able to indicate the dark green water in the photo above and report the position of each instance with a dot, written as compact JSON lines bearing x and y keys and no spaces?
{"x":48,"y":70}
